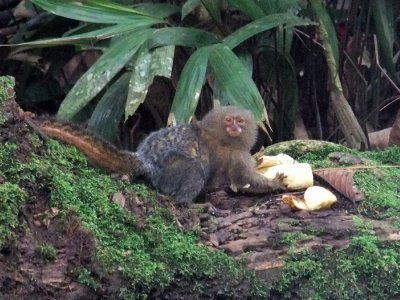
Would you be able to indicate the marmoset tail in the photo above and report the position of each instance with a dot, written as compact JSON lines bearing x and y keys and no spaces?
{"x":99,"y":151}
{"x":184,"y":159}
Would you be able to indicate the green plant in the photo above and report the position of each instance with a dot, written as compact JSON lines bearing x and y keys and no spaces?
{"x":354,"y":272}
{"x":6,"y":85}
{"x":6,"y":92}
{"x":46,"y":251}
{"x":85,"y":277}
{"x":250,"y":53}
{"x":133,"y":40}
{"x":12,"y":196}
{"x":291,"y":238}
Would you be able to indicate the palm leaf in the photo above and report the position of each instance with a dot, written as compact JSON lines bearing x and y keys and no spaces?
{"x":188,"y":7}
{"x":181,"y":36}
{"x":97,"y":12}
{"x":263,"y":24}
{"x":98,"y":34}
{"x":100,"y":73}
{"x":189,"y":87}
{"x":382,"y":12}
{"x":219,"y":94}
{"x":146,"y":66}
{"x":214,"y":8}
{"x":289,"y":98}
{"x":234,"y":80}
{"x":158,"y":10}
{"x":279,"y":6}
{"x":248,"y":7}
{"x":108,"y":112}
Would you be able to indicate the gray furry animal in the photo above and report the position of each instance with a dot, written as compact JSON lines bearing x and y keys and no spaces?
{"x":184,"y":159}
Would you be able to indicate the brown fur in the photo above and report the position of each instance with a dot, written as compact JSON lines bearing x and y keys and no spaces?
{"x":99,"y":151}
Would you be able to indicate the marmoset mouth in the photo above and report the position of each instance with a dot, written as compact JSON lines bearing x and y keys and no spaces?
{"x":234,"y":132}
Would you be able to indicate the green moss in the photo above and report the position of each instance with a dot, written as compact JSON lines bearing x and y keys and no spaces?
{"x":12,"y":196}
{"x":6,"y":90}
{"x":380,"y":189}
{"x":366,"y":269}
{"x":313,"y":152}
{"x":389,"y":156}
{"x":381,"y":185}
{"x":46,"y":251}
{"x":312,"y":230}
{"x":6,"y":83}
{"x":291,"y":238}
{"x":84,"y":276}
{"x":396,"y":222}
{"x":150,"y":258}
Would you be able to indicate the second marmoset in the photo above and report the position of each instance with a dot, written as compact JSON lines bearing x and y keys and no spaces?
{"x":184,"y":159}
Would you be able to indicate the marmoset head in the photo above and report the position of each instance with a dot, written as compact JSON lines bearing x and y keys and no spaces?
{"x":232,"y":125}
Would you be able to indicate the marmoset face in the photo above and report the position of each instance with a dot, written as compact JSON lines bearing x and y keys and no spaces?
{"x":234,"y":125}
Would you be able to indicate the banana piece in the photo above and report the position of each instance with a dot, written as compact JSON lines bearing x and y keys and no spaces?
{"x":298,"y":176}
{"x":315,"y":198}
{"x":266,"y":161}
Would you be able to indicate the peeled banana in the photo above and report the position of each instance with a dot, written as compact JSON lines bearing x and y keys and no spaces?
{"x":297,"y":175}
{"x":315,"y":198}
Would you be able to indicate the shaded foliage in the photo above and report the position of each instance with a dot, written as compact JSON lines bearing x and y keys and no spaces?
{"x":257,"y":54}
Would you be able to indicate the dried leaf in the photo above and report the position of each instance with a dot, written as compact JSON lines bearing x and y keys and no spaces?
{"x":25,"y":9}
{"x":300,"y":130}
{"x":54,"y":211}
{"x":394,"y":137}
{"x":342,"y":181}
{"x":119,"y":198}
{"x":76,"y":66}
{"x":379,"y":139}
{"x":214,"y":240}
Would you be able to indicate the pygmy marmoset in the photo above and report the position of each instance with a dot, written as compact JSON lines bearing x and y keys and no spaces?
{"x":184,"y":159}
